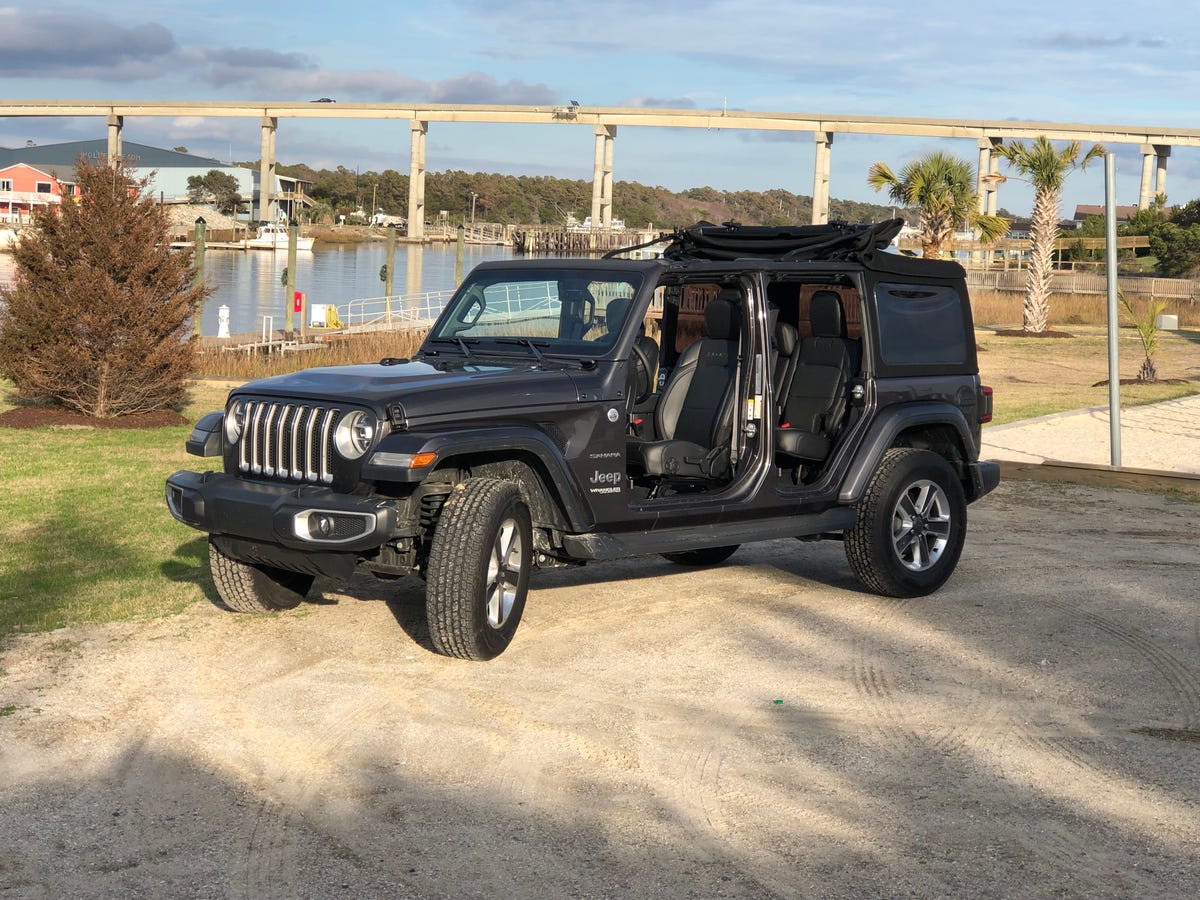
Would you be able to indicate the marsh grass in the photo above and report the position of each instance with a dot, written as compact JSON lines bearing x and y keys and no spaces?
{"x":334,"y":350}
{"x":1003,"y":309}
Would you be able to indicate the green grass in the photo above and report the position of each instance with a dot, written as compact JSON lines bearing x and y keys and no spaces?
{"x":84,"y":533}
{"x":1018,"y":402}
{"x":1038,"y":376}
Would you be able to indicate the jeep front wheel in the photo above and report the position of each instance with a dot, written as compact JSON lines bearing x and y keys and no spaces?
{"x":478,"y":574}
{"x":248,"y":588}
{"x":912,"y":521}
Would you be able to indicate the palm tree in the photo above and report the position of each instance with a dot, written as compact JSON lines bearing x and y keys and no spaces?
{"x":1046,"y":169}
{"x":1145,"y":322}
{"x":942,"y":187}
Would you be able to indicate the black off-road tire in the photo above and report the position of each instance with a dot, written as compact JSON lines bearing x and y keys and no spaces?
{"x":912,"y":522}
{"x":478,"y":573}
{"x":249,"y":588}
{"x":705,"y":556}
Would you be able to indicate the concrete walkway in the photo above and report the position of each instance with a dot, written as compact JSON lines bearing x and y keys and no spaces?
{"x":1162,"y":436}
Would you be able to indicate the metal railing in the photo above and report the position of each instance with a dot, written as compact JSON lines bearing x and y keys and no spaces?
{"x":393,"y":311}
{"x":514,"y":302}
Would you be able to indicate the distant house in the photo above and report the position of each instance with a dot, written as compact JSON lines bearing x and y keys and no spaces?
{"x":167,"y":170}
{"x":1085,"y":211}
{"x":23,"y":188}
{"x":291,"y":195}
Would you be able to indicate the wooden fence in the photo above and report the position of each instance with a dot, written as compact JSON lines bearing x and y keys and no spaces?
{"x":1084,"y":283}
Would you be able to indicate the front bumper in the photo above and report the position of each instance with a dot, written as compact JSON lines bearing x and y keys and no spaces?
{"x":300,"y":517}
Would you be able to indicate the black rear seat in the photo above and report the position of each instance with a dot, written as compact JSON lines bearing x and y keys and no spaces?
{"x":815,"y":399}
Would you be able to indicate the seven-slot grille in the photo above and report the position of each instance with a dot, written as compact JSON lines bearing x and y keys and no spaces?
{"x":288,"y":441}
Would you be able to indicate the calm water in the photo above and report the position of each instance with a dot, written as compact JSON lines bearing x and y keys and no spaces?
{"x":249,"y":281}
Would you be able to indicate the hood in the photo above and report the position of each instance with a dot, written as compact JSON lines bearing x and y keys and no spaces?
{"x":424,"y":390}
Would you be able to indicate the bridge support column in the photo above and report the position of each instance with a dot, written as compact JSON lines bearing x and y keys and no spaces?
{"x":115,"y":125}
{"x":987,"y":175}
{"x":1154,"y":173}
{"x":416,"y":181}
{"x":266,"y":170}
{"x":820,"y":195}
{"x":987,"y":181}
{"x":994,"y":178}
{"x":602,"y":177}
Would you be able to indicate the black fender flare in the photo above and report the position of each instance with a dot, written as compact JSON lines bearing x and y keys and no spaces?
{"x":890,"y":423}
{"x":493,"y":442}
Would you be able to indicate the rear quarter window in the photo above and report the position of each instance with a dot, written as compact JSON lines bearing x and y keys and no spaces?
{"x":921,"y":325}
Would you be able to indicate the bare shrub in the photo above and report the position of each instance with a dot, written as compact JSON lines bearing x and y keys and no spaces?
{"x":99,"y":316}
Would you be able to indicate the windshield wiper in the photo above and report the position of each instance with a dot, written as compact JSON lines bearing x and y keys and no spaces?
{"x":462,"y":345}
{"x":526,"y":342}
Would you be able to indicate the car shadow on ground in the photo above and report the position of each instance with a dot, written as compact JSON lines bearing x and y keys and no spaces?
{"x":791,"y":563}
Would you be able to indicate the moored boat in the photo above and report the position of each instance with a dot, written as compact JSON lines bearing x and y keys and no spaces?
{"x":275,"y":237}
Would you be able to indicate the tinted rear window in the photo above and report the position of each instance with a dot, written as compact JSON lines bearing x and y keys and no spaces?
{"x":920,"y":325}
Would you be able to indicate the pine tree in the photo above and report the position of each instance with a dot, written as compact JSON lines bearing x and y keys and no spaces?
{"x":99,"y":317}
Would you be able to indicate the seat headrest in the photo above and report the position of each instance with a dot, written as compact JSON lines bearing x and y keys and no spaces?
{"x":616,"y":313}
{"x":786,"y":338}
{"x":825,"y":315}
{"x":722,"y":316}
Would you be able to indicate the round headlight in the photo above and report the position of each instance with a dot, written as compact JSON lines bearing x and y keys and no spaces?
{"x":354,"y":434}
{"x":235,"y":421}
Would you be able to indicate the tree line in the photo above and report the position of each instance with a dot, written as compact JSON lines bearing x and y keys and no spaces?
{"x":544,"y":200}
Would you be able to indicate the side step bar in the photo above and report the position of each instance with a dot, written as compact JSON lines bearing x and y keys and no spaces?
{"x":595,"y":546}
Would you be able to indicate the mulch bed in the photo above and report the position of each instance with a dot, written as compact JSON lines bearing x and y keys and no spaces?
{"x":1135,"y":381}
{"x":43,"y":416}
{"x":1048,"y":333}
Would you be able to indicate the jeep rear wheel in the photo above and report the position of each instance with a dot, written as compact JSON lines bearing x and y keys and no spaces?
{"x":912,"y":521}
{"x":705,"y":556}
{"x":478,"y":574}
{"x":249,"y":588}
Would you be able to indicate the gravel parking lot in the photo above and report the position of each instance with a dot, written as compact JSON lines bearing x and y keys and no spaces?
{"x":761,"y":729}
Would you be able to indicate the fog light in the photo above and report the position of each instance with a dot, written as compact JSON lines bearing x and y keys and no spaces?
{"x":332,"y":526}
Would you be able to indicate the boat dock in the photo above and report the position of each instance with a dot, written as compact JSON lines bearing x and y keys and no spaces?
{"x":576,"y":241}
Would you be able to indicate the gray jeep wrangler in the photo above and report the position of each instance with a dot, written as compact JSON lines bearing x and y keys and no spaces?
{"x":752,"y":384}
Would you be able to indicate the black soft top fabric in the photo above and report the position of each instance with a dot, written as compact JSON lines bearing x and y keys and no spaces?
{"x":837,"y":240}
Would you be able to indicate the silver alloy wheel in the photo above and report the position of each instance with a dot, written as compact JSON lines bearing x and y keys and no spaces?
{"x":504,"y":573}
{"x":921,"y":525}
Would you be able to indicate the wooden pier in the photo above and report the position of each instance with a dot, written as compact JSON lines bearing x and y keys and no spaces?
{"x":563,"y":241}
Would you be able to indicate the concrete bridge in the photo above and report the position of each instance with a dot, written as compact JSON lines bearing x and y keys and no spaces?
{"x":1155,"y":143}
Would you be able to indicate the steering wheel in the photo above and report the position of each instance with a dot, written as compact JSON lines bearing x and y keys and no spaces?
{"x":642,"y":365}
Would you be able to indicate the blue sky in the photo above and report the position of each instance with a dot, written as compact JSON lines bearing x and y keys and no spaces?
{"x":1103,"y":62}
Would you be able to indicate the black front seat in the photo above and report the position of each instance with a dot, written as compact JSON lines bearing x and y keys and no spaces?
{"x":695,"y":412}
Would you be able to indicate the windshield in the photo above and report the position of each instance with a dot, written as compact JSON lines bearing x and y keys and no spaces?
{"x":569,"y":310}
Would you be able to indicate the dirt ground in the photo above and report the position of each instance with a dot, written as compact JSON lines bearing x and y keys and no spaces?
{"x":761,"y":729}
